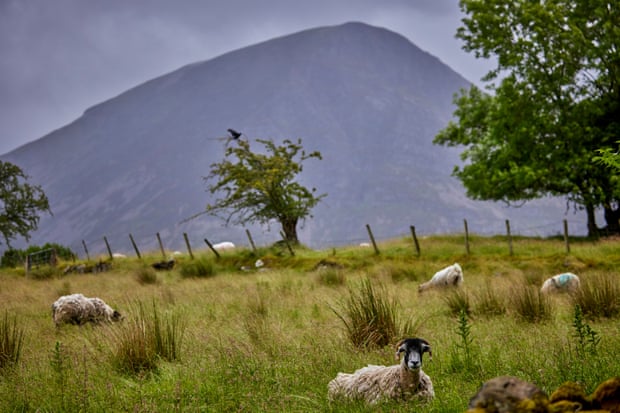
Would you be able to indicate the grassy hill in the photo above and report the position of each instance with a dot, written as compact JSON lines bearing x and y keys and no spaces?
{"x":270,"y":339}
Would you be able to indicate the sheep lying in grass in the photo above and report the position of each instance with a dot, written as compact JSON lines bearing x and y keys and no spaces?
{"x":566,"y":282}
{"x":451,"y":276}
{"x":401,"y":381}
{"x":77,"y":309}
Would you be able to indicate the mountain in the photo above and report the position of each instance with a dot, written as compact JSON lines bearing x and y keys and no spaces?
{"x":367,"y":98}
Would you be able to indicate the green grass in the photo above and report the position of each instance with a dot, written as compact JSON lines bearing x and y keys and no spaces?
{"x":217,"y":338}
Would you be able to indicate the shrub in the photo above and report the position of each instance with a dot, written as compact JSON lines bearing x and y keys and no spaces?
{"x":599,"y":296}
{"x":146,"y":275}
{"x":531,"y":305}
{"x":371,"y":318}
{"x":11,"y":341}
{"x":197,"y":268}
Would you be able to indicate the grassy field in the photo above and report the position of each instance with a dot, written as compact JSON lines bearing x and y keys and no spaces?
{"x":271,"y":339}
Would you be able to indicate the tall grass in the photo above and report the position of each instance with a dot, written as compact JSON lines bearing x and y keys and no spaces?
{"x":599,"y":296}
{"x":11,"y":341}
{"x":531,"y":305}
{"x":371,"y":317}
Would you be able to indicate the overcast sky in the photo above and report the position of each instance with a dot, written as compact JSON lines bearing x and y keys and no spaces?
{"x":60,"y":57}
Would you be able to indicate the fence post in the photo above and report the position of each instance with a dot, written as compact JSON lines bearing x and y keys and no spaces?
{"x":466,"y":236}
{"x":108,"y":247}
{"x":372,"y":239}
{"x":288,"y":245}
{"x":189,"y":247}
{"x":415,"y":240}
{"x":86,"y":250}
{"x":217,"y":254}
{"x":135,"y":247}
{"x":161,"y":246}
{"x":566,"y":237}
{"x":247,"y":231}
{"x":509,"y":236}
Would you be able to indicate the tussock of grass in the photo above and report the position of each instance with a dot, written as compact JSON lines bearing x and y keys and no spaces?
{"x":599,"y":296}
{"x":11,"y":341}
{"x":531,"y":305}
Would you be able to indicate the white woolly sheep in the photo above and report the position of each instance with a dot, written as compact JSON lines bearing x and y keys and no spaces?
{"x":78,"y":309}
{"x":222,"y":246}
{"x":566,"y":282}
{"x":451,"y":276}
{"x":399,"y":382}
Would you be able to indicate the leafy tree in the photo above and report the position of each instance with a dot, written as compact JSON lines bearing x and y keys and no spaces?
{"x":20,"y":203}
{"x":261,"y":187}
{"x":554,"y":100}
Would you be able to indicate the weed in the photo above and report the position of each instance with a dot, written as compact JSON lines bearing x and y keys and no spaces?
{"x":371,"y":318}
{"x":11,"y":341}
{"x":587,"y":339}
{"x":531,"y":305}
{"x":599,"y":296}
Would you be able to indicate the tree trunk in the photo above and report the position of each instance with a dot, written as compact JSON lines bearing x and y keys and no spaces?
{"x":612,"y":219}
{"x":592,"y":229}
{"x":289,"y":227}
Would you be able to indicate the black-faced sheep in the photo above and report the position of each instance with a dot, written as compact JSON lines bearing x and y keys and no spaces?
{"x":451,"y":276}
{"x":78,"y":309}
{"x":400,"y":382}
{"x":566,"y":282}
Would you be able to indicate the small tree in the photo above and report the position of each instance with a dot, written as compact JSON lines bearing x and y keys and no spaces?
{"x":261,"y":187}
{"x":20,"y":203}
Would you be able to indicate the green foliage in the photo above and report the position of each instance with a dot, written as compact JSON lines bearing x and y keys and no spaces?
{"x":598,"y":296}
{"x":587,"y":339}
{"x":371,"y":317}
{"x":140,"y":342}
{"x":531,"y":305}
{"x":557,"y":94}
{"x":21,"y":203}
{"x":15,"y":257}
{"x":261,"y":187}
{"x":458,"y":302}
{"x":464,"y":357}
{"x":11,"y":341}
{"x":200,"y":267}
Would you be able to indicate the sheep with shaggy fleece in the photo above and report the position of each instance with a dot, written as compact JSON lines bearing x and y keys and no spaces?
{"x":78,"y":309}
{"x":451,"y":276}
{"x":399,"y":382}
{"x":565,"y":282}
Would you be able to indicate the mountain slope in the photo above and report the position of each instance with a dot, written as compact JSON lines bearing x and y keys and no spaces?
{"x":368,"y":99}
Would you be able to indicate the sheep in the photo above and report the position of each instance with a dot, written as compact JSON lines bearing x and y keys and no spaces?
{"x":566,"y":282}
{"x":78,"y":309}
{"x":222,"y":246}
{"x":451,"y":276}
{"x":401,"y":381}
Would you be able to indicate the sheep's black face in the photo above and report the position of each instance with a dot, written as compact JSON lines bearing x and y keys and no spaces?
{"x":413,"y":349}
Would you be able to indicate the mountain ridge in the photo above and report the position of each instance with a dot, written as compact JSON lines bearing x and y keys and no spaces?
{"x":368,"y":99}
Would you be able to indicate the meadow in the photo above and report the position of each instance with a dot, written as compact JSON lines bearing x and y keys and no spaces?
{"x":209,"y":336}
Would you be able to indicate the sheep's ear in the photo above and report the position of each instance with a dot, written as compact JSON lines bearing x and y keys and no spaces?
{"x":400,"y":348}
{"x":426,"y":348}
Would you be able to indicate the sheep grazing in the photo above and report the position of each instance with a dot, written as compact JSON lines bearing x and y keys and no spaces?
{"x":78,"y":309}
{"x":451,"y":276}
{"x":561,"y":283}
{"x":400,"y":382}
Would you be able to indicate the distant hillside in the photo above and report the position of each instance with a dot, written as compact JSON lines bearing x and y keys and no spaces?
{"x":368,"y":99}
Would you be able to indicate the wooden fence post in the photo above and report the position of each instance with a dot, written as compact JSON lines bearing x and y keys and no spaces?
{"x":415,"y":240}
{"x":566,"y":237}
{"x":86,"y":250}
{"x":509,"y":236}
{"x":135,"y":247}
{"x":161,"y":246}
{"x":372,"y":239}
{"x":217,"y":254}
{"x":288,"y":245}
{"x":189,"y":247}
{"x":466,"y":236}
{"x":108,"y":247}
{"x":247,"y":231}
